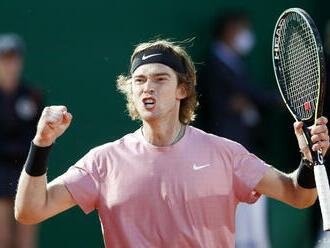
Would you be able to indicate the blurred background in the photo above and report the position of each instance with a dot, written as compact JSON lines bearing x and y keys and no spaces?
{"x":76,"y":49}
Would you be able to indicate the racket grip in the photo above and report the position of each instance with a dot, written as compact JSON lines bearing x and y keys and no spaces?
{"x":323,"y":190}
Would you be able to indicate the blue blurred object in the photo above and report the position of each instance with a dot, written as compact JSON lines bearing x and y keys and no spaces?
{"x":11,"y":43}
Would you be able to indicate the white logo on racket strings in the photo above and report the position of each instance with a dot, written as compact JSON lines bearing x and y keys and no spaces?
{"x":149,"y":56}
{"x":277,"y":40}
{"x":198,"y":167}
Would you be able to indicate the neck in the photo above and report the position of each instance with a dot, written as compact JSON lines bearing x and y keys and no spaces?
{"x":162,"y":134}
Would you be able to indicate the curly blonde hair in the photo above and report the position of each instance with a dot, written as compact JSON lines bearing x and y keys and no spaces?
{"x":187,"y":79}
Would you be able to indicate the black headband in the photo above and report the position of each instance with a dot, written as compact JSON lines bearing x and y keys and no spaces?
{"x":158,"y":56}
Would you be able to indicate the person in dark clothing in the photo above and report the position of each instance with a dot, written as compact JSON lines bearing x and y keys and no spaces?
{"x":232,"y":102}
{"x":20,"y":108}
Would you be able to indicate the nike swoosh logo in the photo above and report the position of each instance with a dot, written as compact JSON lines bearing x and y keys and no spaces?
{"x":149,"y":56}
{"x":198,"y":167}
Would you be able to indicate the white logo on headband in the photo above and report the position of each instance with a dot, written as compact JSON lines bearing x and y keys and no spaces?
{"x":149,"y":56}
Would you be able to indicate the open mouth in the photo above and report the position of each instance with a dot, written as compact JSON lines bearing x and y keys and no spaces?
{"x":149,"y":102}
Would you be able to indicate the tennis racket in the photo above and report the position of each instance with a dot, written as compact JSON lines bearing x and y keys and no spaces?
{"x":299,"y":68}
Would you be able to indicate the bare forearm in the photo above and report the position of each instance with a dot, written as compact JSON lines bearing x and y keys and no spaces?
{"x":36,"y":200}
{"x":284,"y":187}
{"x":30,"y":198}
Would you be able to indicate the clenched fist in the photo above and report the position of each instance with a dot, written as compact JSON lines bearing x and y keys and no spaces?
{"x":53,"y":122}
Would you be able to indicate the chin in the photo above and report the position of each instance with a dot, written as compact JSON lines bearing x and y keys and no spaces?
{"x":149,"y":117}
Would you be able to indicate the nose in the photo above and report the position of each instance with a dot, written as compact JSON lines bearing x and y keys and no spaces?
{"x":149,"y":87}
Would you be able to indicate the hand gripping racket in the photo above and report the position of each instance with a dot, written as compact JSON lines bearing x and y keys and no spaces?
{"x":299,"y":68}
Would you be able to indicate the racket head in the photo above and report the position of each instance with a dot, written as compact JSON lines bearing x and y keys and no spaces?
{"x":299,"y":66}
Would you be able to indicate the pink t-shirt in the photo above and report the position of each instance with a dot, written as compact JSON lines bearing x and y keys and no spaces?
{"x":183,"y":195}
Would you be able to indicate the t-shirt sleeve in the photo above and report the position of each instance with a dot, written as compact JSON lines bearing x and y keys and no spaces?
{"x":82,"y":181}
{"x":248,"y":171}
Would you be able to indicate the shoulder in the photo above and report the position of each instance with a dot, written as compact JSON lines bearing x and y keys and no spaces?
{"x":99,"y":161}
{"x":201,"y":135}
{"x":216,"y":142}
{"x":120,"y":145}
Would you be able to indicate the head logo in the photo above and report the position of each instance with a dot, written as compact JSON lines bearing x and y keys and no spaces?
{"x":144,"y":57}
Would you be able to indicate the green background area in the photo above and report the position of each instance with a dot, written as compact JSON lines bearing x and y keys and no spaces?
{"x":75,"y":51}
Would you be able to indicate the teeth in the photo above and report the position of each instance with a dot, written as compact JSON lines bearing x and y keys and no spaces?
{"x":148,"y":101}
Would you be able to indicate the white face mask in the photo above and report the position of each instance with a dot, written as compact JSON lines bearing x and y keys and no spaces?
{"x":244,"y":41}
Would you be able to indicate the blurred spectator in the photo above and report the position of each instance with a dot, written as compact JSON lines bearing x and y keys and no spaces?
{"x":20,"y":107}
{"x":233,"y":101}
{"x":233,"y":110}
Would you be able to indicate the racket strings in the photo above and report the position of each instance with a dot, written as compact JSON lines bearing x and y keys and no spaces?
{"x":299,"y":66}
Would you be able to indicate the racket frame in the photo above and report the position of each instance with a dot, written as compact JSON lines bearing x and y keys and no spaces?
{"x":321,"y":178}
{"x":320,"y":64}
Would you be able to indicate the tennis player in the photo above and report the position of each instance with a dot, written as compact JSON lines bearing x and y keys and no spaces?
{"x":167,"y":184}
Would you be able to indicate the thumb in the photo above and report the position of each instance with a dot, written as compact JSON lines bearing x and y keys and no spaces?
{"x":298,"y":127}
{"x":303,"y":146}
{"x":67,"y":117}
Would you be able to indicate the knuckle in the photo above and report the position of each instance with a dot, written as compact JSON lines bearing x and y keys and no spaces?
{"x":321,"y":136}
{"x":319,"y":129}
{"x":324,"y":119}
{"x":325,"y":136}
{"x":45,"y":110}
{"x":60,"y":107}
{"x":314,"y":138}
{"x":321,"y":120}
{"x":314,"y":131}
{"x":324,"y":128}
{"x":323,"y":144}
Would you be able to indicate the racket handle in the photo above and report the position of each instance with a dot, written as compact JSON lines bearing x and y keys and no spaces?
{"x":323,"y":190}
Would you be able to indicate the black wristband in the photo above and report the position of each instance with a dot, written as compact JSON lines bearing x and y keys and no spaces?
{"x":305,"y":176}
{"x":36,"y":162}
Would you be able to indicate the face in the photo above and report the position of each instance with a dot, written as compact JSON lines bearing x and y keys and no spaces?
{"x":156,"y":94}
{"x":10,"y":70}
{"x":243,"y":38}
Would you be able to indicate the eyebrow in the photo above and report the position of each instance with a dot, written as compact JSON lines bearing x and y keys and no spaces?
{"x":154,"y":75}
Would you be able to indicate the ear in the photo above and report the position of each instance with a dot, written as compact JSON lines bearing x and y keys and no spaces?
{"x":181,"y":92}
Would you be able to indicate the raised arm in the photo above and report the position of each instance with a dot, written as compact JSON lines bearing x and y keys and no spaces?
{"x":35,"y":199}
{"x":285,"y":187}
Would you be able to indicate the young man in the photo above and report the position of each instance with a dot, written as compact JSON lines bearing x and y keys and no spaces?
{"x":167,"y":184}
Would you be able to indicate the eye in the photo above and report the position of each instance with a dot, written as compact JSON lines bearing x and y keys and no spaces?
{"x":138,"y":80}
{"x":161,"y":78}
